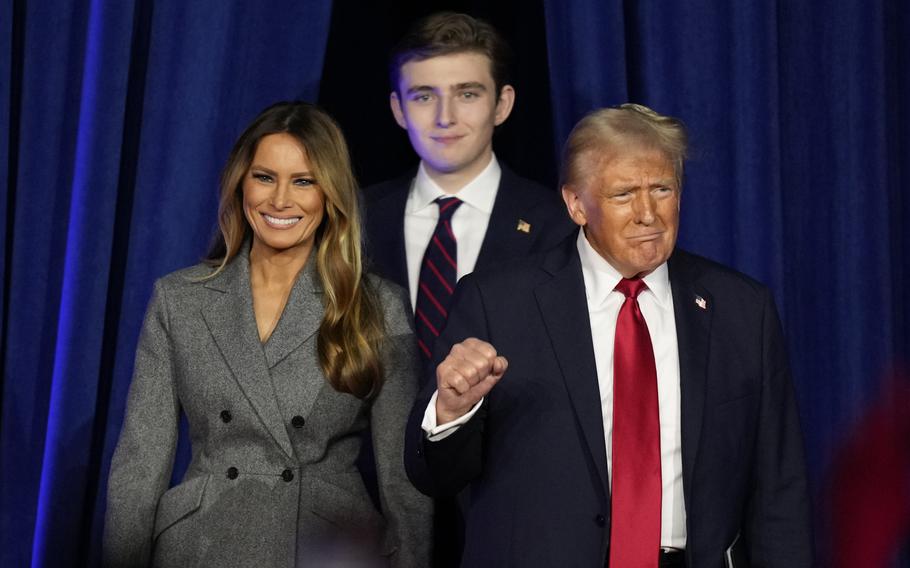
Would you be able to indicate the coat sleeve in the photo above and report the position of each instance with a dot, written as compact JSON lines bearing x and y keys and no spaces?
{"x":445,"y":467}
{"x":143,"y":460}
{"x":408,"y":514}
{"x":779,"y":518}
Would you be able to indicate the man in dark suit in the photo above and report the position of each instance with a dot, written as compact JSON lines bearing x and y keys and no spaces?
{"x":450,"y":90}
{"x":461,"y":209}
{"x":617,"y":401}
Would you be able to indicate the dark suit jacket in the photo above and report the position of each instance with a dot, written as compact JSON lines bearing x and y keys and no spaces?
{"x":534,"y":453}
{"x":518,"y":199}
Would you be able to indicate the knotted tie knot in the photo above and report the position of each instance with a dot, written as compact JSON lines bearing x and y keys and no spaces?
{"x":447,"y":207}
{"x":631,"y":287}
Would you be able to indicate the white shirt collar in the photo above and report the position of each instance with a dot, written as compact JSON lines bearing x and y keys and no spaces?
{"x":479,"y":193}
{"x":601,"y":278}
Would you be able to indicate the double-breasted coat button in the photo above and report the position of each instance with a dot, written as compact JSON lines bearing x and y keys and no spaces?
{"x":298,"y":421}
{"x":226,"y":416}
{"x":600,"y":520}
{"x":287,"y":475}
{"x":232,"y":472}
{"x":419,"y":452}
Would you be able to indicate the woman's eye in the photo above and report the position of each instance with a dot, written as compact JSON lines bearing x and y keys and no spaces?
{"x":264,"y":178}
{"x":303,"y":182}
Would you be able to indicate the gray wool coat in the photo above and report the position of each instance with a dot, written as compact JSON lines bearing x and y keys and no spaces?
{"x":273,"y":480}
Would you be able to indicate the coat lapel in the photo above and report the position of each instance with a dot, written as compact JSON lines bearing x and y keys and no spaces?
{"x":503,"y":238}
{"x":692,"y":308}
{"x":563,"y":305}
{"x":300,"y":379}
{"x":231,"y":322}
{"x":301,"y":317}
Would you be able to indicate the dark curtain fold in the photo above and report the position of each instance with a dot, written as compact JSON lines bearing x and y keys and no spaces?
{"x":119,"y":117}
{"x":800,"y":144}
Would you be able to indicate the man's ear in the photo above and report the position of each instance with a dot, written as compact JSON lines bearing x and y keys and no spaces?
{"x":504,"y":104}
{"x":574,"y":205}
{"x":397,"y":111}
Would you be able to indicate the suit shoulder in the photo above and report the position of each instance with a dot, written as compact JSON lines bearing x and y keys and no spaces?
{"x":377,"y":192}
{"x":539,"y":205}
{"x":531,"y":191}
{"x":394,"y":302}
{"x":512,"y":274}
{"x":715,"y":276}
{"x":184,"y":278}
{"x":386,"y":290}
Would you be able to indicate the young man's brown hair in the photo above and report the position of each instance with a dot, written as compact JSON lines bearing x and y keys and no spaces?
{"x":445,"y":33}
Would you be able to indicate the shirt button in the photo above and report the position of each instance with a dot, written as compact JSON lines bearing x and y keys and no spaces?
{"x":232,"y":473}
{"x":298,"y":422}
{"x":600,"y":520}
{"x":287,"y":475}
{"x":226,"y":416}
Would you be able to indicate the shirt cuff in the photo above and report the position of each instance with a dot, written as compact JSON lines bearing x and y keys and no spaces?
{"x":436,"y":432}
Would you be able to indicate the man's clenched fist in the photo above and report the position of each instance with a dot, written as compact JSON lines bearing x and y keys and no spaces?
{"x":465,"y":376}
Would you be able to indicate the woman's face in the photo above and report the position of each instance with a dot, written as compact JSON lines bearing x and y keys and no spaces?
{"x":282,"y":201}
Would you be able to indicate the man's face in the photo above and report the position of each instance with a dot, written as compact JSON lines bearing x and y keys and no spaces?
{"x":449,"y":107}
{"x":629,"y":208}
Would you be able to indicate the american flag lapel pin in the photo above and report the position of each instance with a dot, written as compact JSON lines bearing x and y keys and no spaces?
{"x":700,"y":302}
{"x":523,"y":226}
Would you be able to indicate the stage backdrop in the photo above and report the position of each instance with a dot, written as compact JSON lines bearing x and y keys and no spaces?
{"x":115,"y":118}
{"x":119,"y":116}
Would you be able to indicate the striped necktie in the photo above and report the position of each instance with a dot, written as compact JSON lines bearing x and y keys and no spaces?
{"x":438,"y":275}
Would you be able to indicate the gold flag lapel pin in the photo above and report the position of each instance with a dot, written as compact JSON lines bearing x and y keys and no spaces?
{"x":523,"y":226}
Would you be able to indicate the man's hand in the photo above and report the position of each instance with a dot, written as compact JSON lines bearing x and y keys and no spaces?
{"x":465,"y":376}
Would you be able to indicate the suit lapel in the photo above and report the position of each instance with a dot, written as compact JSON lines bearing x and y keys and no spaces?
{"x":231,"y":322}
{"x":563,"y":305}
{"x":692,"y":308}
{"x":503,"y":238}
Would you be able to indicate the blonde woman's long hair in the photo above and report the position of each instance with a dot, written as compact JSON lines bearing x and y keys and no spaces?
{"x":350,"y":336}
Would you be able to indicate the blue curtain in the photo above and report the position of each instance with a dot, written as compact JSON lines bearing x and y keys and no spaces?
{"x":800,"y":132}
{"x":116,"y":116}
{"x":119,"y":115}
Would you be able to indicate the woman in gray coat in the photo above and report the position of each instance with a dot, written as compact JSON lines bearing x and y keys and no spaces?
{"x":281,"y":352}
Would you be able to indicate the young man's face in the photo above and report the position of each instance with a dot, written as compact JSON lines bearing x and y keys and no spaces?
{"x":449,"y":107}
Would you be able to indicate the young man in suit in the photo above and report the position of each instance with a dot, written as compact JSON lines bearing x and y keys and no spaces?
{"x":462,"y":209}
{"x":617,"y":401}
{"x":450,"y":91}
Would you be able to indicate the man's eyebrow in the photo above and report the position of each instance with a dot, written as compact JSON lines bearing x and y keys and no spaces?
{"x":470,"y":85}
{"x":629,"y":185}
{"x":419,"y":89}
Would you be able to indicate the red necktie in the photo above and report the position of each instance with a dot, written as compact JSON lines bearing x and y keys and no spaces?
{"x":438,"y":275}
{"x":636,"y":491}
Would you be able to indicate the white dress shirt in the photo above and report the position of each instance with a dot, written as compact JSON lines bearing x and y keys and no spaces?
{"x":469,"y":223}
{"x":656,"y":304}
